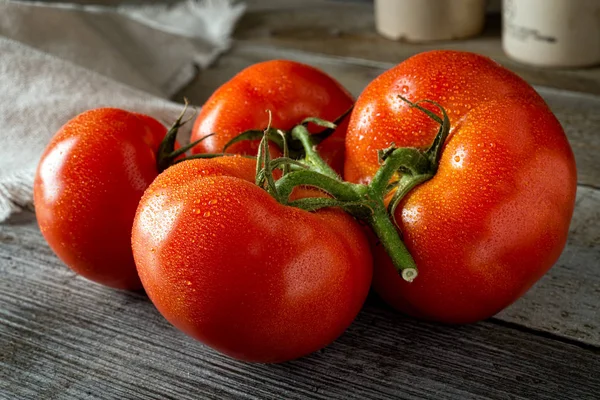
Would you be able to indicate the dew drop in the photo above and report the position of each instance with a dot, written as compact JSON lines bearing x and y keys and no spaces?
{"x":207,"y":214}
{"x":213,"y":201}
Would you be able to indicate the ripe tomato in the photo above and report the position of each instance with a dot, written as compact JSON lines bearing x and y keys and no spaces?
{"x":291,"y":91}
{"x":87,"y":187}
{"x":231,"y":267}
{"x":496,"y":215}
{"x":459,"y":81}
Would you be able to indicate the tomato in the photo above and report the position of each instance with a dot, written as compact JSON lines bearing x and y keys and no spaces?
{"x":87,"y":187}
{"x":247,"y":276}
{"x":495,"y":217}
{"x":459,"y":81}
{"x":290,"y":90}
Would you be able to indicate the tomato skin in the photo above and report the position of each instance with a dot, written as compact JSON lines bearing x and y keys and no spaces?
{"x":87,"y":187}
{"x":231,"y":267}
{"x":496,"y":215}
{"x":290,"y":90}
{"x":459,"y":81}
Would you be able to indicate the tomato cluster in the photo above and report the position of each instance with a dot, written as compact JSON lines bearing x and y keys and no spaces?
{"x":459,"y":168}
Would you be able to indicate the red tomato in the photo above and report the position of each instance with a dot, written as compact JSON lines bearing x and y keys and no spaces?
{"x":87,"y":187}
{"x":228,"y":265}
{"x":291,"y":91}
{"x":496,"y":215}
{"x":459,"y":81}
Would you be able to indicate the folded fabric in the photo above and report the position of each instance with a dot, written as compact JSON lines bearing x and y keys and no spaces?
{"x":79,"y":59}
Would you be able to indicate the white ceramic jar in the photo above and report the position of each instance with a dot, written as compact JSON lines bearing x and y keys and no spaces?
{"x":427,"y":20}
{"x":553,"y":33}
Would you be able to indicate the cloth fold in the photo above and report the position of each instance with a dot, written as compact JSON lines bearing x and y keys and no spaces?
{"x":56,"y":62}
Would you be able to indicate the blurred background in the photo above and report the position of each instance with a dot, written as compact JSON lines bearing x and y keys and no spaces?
{"x":554,"y":43}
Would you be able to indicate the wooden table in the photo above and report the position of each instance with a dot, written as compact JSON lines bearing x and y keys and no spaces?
{"x":62,"y":337}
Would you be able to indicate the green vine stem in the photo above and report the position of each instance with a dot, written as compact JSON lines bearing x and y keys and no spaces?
{"x":388,"y":236}
{"x":401,"y":170}
{"x":336,"y":187}
{"x":364,"y":202}
{"x":291,"y":143}
{"x":167,"y":154}
{"x":311,"y":156}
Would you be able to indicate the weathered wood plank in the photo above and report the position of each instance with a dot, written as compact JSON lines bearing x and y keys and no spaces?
{"x":342,"y":28}
{"x":64,"y":337}
{"x":578,"y":113}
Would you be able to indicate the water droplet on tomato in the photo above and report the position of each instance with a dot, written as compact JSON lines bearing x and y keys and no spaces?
{"x":207,"y":214}
{"x":213,"y":201}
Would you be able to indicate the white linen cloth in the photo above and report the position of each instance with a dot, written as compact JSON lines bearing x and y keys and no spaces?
{"x":60,"y":60}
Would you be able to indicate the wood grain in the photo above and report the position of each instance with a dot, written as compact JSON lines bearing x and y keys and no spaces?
{"x":577,"y":112}
{"x":63,"y":337}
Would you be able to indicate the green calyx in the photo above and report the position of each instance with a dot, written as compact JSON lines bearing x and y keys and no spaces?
{"x":291,"y":141}
{"x":401,"y":170}
{"x":365,"y":202}
{"x":167,"y":155}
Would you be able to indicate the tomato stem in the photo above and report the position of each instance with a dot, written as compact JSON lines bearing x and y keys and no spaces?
{"x":167,"y":154}
{"x":388,"y":236}
{"x":286,"y":140}
{"x":434,"y":152}
{"x":264,"y":167}
{"x":176,"y":153}
{"x":344,"y":191}
{"x":411,"y":166}
{"x":317,"y":138}
{"x":311,"y":156}
{"x":362,"y":201}
{"x":411,"y":159}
